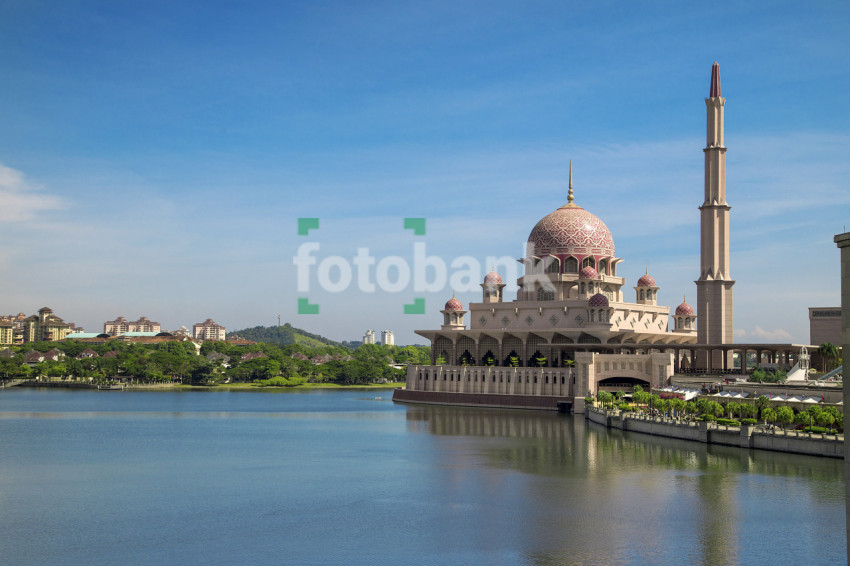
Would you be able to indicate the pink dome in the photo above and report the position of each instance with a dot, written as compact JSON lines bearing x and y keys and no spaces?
{"x":685,"y":310}
{"x":492,"y":277}
{"x":571,"y":230}
{"x":588,"y":273}
{"x":453,"y":305}
{"x":598,"y":300}
{"x":646,"y":281}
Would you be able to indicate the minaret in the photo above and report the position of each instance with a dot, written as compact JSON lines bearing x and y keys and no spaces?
{"x":714,"y":287}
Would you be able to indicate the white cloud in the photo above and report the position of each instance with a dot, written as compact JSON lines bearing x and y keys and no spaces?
{"x":21,"y":200}
{"x":759,"y":334}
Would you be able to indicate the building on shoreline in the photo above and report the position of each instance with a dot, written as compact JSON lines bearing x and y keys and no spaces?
{"x":571,"y":331}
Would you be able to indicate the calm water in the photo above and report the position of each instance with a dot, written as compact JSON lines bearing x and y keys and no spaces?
{"x":332,"y":477}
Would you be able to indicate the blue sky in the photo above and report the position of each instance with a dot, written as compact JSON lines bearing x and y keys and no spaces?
{"x":155,"y":156}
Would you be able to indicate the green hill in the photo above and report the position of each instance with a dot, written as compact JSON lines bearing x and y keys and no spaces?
{"x":284,"y":336}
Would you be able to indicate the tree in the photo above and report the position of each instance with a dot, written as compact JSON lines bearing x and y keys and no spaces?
{"x":768,"y":415}
{"x":828,"y":353}
{"x":732,"y":408}
{"x":825,"y":419}
{"x":747,"y":411}
{"x":784,"y":415}
{"x":804,"y":418}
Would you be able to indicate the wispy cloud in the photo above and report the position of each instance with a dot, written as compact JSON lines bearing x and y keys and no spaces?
{"x":21,"y":200}
{"x":759,"y":335}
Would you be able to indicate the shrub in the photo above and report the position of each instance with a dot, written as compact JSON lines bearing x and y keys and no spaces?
{"x":625,"y":407}
{"x":815,"y":429}
{"x":281,"y":381}
{"x":728,"y":422}
{"x":749,"y":421}
{"x":706,"y":417}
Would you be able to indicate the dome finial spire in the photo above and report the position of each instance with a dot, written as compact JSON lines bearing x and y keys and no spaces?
{"x":570,"y":194}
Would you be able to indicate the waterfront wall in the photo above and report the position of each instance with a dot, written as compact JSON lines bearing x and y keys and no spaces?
{"x":547,"y":403}
{"x":793,"y":441}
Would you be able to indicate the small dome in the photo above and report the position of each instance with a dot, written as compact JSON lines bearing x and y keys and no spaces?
{"x":684,"y":310}
{"x":588,"y":273}
{"x":453,"y":305}
{"x":646,"y":281}
{"x":492,"y":277}
{"x":598,"y":300}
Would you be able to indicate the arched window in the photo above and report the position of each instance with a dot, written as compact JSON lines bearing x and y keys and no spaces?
{"x":649,"y":294}
{"x":602,"y":316}
{"x":592,"y":315}
{"x":582,"y":289}
{"x":603,"y":266}
{"x":589,"y":288}
{"x":571,"y":265}
{"x":687,"y":323}
{"x":641,"y":294}
{"x":588,"y":262}
{"x":553,"y":265}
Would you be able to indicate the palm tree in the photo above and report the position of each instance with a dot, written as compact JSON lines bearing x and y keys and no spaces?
{"x":828,"y":352}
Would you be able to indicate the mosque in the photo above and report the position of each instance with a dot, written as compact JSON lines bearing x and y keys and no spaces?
{"x":574,"y":326}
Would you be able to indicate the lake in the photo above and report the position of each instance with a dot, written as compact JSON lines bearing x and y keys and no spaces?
{"x":342,"y":477}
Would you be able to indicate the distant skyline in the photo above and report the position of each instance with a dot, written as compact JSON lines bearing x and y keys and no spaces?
{"x":156,"y":156}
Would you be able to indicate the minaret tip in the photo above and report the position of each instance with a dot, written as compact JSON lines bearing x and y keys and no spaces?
{"x":715,"y":81}
{"x":570,"y":194}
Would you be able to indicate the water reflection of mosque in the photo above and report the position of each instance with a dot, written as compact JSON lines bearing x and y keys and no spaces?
{"x":586,"y":492}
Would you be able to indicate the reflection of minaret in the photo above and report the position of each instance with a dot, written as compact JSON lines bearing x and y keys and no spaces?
{"x":714,"y":287}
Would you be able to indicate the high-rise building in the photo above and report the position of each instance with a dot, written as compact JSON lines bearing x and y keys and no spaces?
{"x":369,"y":337}
{"x":121,"y":325}
{"x":825,"y":325}
{"x":44,"y":326}
{"x":387,"y":338}
{"x":208,"y":330}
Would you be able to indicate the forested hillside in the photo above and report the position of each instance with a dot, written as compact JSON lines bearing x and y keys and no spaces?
{"x":284,"y":336}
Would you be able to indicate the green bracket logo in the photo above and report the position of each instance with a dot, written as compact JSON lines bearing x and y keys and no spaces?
{"x":307,"y":224}
{"x":415,"y":224}
{"x":304,"y":306}
{"x":418,"y":306}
